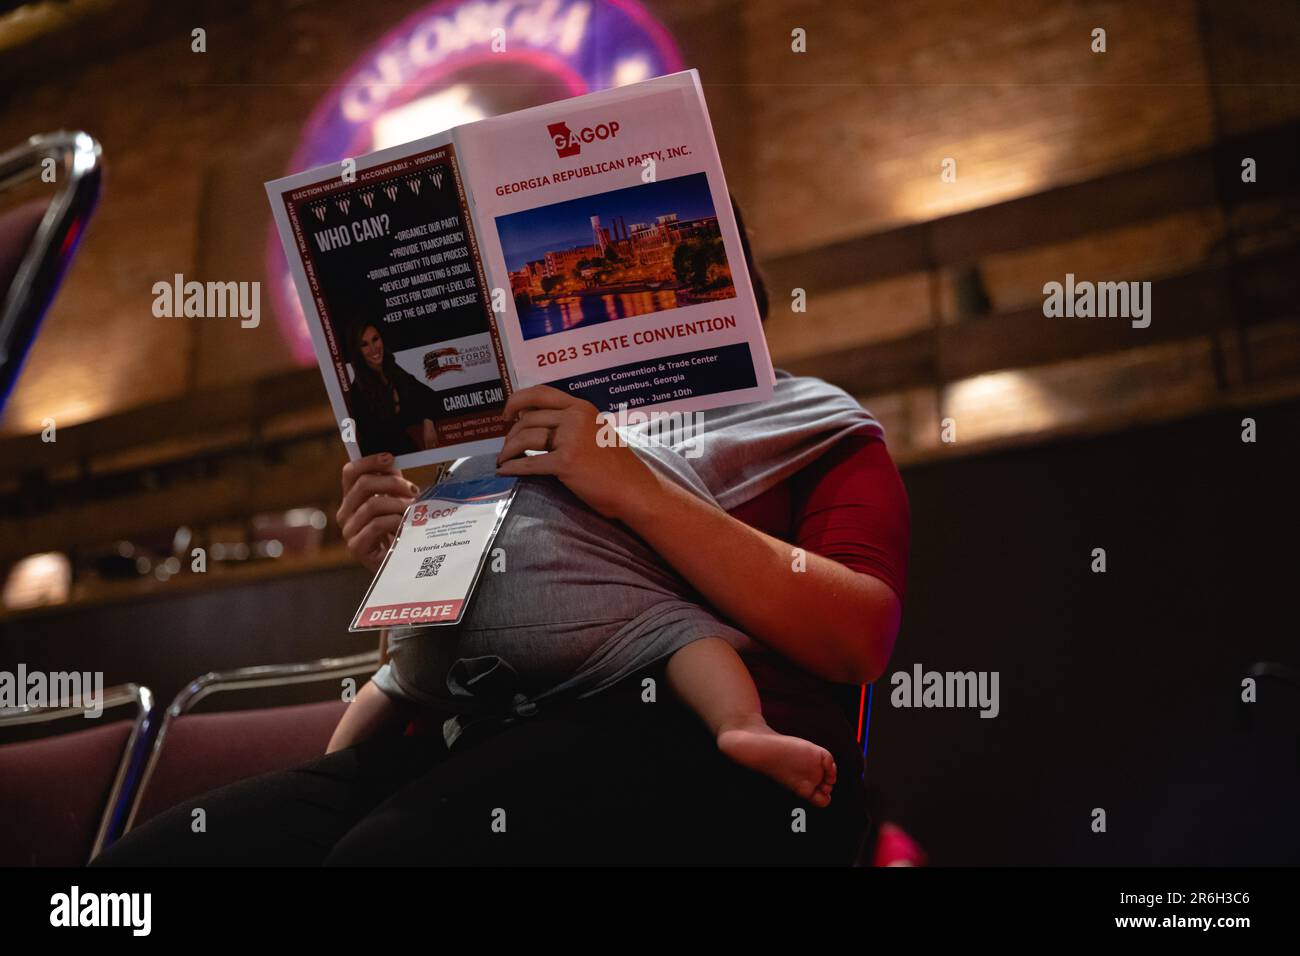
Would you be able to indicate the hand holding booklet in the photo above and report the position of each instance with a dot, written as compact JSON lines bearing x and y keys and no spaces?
{"x":588,"y":245}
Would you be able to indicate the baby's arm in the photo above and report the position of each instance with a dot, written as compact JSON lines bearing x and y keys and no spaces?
{"x":367,"y":715}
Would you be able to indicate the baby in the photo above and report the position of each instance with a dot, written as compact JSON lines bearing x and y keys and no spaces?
{"x":583,"y":603}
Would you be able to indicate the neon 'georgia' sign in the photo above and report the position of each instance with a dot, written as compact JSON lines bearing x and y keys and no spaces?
{"x":585,"y":45}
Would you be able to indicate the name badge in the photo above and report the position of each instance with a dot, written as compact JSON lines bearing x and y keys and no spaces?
{"x":438,"y":554}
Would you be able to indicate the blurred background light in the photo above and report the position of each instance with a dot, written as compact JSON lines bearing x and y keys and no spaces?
{"x":39,"y":579}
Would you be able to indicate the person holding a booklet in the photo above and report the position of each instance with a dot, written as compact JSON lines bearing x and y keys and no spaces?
{"x":646,"y":672}
{"x":809,"y":571}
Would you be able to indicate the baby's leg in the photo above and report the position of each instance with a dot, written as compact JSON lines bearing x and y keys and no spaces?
{"x":711,"y":679}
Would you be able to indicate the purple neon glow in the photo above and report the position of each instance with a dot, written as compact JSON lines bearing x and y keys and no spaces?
{"x":614,"y":32}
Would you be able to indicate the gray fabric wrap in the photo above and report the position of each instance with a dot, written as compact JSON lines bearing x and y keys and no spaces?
{"x":583,"y":602}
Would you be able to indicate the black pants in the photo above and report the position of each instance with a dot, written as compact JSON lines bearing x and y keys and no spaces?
{"x":609,"y":780}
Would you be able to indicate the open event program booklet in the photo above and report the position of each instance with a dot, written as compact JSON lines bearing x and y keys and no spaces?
{"x":588,"y":244}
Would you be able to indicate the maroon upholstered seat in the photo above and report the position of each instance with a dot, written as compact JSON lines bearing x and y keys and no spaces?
{"x":54,"y":793}
{"x":199,"y":752}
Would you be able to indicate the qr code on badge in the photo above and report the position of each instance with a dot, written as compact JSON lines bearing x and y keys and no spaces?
{"x":429,"y":566}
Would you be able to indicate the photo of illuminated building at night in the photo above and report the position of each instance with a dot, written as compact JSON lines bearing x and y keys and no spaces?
{"x":615,"y":255}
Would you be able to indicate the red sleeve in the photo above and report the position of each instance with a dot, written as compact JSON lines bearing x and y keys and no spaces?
{"x":850,"y":506}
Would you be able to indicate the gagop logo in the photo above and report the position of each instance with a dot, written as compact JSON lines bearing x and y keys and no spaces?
{"x":569,"y":143}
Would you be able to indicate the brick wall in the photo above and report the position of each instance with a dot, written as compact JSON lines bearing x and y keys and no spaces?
{"x":843,"y":140}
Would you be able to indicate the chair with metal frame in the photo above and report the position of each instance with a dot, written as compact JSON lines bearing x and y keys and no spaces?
{"x":66,"y":795}
{"x":38,"y":238}
{"x":273,"y":730}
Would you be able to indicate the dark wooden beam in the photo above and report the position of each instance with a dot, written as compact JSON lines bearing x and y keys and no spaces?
{"x":250,"y":404}
{"x":245,"y":488}
{"x":1207,"y":177}
{"x":1183,"y":307}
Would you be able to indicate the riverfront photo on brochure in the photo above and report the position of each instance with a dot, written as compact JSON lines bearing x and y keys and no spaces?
{"x":615,"y":255}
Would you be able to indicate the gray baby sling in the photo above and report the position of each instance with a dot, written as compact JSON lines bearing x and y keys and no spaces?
{"x":583,"y":602}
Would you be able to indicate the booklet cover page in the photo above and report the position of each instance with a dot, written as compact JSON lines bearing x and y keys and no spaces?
{"x":390,"y":279}
{"x":608,"y":218}
{"x":588,"y":245}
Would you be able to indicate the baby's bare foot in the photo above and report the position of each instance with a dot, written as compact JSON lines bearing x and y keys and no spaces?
{"x":797,"y":764}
